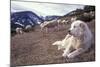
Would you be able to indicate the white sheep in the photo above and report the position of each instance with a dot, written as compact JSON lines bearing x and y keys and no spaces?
{"x":19,"y":30}
{"x":62,"y":22}
{"x":73,"y":19}
{"x":48,"y":24}
{"x":28,"y":27}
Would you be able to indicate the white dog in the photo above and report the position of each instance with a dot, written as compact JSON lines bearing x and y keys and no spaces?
{"x":77,"y":41}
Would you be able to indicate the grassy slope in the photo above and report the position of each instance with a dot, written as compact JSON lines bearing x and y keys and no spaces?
{"x":35,"y":48}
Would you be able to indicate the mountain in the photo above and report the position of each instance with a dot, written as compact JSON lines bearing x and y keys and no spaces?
{"x":75,"y":12}
{"x":48,"y":18}
{"x":23,"y":18}
{"x":85,"y":15}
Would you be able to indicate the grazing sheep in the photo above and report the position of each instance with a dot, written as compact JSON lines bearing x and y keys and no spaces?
{"x":73,"y":19}
{"x":62,"y":22}
{"x":92,"y":13}
{"x":48,"y":24}
{"x":39,"y":22}
{"x":28,"y":28}
{"x":19,"y":30}
{"x":65,"y":22}
{"x":59,"y":21}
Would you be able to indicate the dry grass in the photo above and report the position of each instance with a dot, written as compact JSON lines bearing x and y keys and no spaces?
{"x":34,"y":48}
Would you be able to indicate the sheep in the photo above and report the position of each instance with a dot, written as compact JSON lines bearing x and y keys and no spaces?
{"x":73,"y":19}
{"x":52,"y":24}
{"x":62,"y":22}
{"x":39,"y":22}
{"x":28,"y":28}
{"x":49,"y":24}
{"x":19,"y":30}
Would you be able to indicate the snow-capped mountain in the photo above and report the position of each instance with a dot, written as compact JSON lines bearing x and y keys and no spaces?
{"x":24,"y":18}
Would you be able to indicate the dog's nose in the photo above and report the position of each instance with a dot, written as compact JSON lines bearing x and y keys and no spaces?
{"x":68,"y":31}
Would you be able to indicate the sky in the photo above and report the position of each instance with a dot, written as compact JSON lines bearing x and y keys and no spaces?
{"x":44,"y":9}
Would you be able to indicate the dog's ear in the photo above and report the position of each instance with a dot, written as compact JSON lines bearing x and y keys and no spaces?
{"x":82,"y":26}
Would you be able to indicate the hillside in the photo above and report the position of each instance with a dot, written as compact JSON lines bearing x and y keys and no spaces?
{"x":34,"y":47}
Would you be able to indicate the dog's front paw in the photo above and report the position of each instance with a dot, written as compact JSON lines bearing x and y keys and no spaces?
{"x":53,"y":44}
{"x":70,"y":56}
{"x":64,"y":55}
{"x":57,"y":43}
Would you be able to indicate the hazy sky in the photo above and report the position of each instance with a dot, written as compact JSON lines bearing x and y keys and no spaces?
{"x":43,"y":8}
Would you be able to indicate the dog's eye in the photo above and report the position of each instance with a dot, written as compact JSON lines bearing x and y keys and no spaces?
{"x":74,"y":26}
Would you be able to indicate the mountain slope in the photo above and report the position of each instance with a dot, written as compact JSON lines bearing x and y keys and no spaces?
{"x":24,"y":18}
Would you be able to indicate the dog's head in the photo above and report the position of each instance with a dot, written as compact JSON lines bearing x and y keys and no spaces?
{"x":78,"y":28}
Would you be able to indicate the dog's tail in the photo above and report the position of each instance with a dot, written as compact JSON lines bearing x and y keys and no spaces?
{"x":57,"y":43}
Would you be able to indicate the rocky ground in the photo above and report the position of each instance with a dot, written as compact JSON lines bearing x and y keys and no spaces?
{"x":34,"y":47}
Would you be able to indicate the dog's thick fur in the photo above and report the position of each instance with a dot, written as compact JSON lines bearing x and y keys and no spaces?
{"x":77,"y":41}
